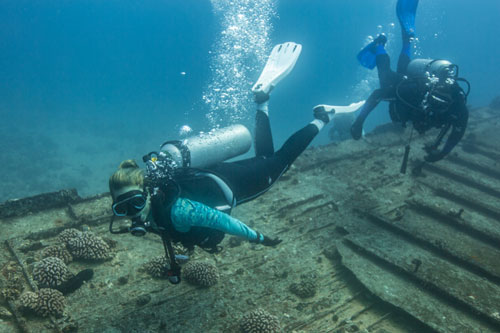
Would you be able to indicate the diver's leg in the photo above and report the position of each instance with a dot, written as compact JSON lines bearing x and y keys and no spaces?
{"x":370,"y":104}
{"x":252,"y":177}
{"x":383,"y":61}
{"x":404,"y":59}
{"x":263,"y":138}
{"x":405,"y":55}
{"x":406,"y":11}
{"x":279,"y":64}
{"x":294,"y":146}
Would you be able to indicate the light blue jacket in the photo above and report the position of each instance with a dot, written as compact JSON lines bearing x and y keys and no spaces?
{"x":187,"y":213}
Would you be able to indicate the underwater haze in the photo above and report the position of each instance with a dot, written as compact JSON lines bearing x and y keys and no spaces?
{"x":87,"y":84}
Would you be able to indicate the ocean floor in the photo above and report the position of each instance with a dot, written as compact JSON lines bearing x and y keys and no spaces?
{"x":365,"y":249}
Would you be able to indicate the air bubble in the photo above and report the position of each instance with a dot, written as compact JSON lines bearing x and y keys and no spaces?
{"x":237,"y":57}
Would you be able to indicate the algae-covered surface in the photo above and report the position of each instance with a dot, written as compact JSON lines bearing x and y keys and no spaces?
{"x":365,"y":248}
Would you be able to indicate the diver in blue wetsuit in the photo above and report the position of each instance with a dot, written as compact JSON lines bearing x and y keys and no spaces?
{"x":423,"y":91}
{"x":188,"y":190}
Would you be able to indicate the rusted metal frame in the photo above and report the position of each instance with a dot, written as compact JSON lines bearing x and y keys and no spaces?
{"x":377,"y":322}
{"x":321,"y":314}
{"x":444,"y":252}
{"x":474,"y":166}
{"x":297,"y":204}
{"x":462,"y":179}
{"x":430,"y":287}
{"x":444,"y":217}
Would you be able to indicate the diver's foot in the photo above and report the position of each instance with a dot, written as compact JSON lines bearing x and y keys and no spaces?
{"x":367,"y":57}
{"x":260,"y":97}
{"x":324,"y":112}
{"x":357,"y":130}
{"x":380,"y":40}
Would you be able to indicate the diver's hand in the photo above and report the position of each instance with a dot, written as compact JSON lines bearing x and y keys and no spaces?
{"x":433,"y":155}
{"x":357,"y":130}
{"x":271,"y":241}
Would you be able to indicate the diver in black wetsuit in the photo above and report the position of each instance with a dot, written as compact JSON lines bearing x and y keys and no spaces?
{"x":188,"y":190}
{"x":423,"y":91}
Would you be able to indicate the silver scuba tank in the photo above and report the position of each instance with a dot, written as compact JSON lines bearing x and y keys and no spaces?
{"x":423,"y":68}
{"x":206,"y":149}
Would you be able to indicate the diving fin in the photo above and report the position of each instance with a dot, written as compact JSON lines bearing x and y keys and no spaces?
{"x":406,"y":11}
{"x":279,"y":64}
{"x":326,"y":113}
{"x":367,"y":57}
{"x":353,"y":107}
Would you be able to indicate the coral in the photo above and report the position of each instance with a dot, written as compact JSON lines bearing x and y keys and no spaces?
{"x":57,"y":251}
{"x":66,"y":235}
{"x":181,"y":249}
{"x":157,"y":266}
{"x":306,"y":288}
{"x":44,"y":302}
{"x":201,"y":273}
{"x":259,"y":321}
{"x":12,"y":286}
{"x":11,"y":291}
{"x":50,"y":272}
{"x":88,"y":246}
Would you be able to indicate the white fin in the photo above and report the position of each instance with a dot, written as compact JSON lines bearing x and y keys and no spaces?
{"x":353,"y":107}
{"x":279,"y":64}
{"x":336,"y":109}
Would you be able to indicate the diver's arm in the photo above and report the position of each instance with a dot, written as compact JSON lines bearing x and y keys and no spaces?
{"x":460,"y":117}
{"x":186,"y":213}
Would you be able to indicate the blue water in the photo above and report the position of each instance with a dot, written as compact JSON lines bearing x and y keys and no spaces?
{"x":86,"y":84}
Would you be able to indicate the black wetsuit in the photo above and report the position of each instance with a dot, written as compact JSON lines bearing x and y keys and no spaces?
{"x":400,"y":92}
{"x":218,"y":188}
{"x":251,"y":177}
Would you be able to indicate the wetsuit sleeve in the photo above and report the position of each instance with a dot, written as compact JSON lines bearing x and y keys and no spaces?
{"x":186,"y":213}
{"x":459,"y":118}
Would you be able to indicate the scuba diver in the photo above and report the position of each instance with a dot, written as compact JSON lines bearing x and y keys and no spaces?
{"x":188,"y":191}
{"x":423,"y":91}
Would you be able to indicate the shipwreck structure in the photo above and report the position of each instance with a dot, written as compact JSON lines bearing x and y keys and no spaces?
{"x":366,"y":248}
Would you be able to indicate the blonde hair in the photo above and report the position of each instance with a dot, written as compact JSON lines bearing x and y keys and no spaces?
{"x":128,"y":174}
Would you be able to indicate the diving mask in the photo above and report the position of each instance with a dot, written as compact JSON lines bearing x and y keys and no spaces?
{"x":129,"y":203}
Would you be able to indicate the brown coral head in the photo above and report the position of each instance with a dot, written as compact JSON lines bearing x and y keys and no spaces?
{"x":44,"y":302}
{"x":50,"y":272}
{"x":259,"y":321}
{"x":201,"y":273}
{"x":86,"y":245}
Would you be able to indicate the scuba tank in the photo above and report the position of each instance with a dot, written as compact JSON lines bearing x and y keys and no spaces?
{"x":434,"y":78}
{"x":423,"y":68}
{"x":206,"y":149}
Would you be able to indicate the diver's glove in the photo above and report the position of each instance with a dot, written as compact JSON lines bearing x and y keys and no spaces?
{"x":433,"y":154}
{"x":271,"y":241}
{"x":267,"y":241}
